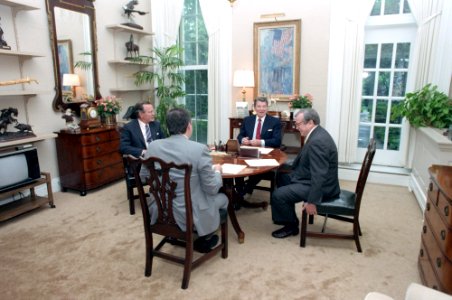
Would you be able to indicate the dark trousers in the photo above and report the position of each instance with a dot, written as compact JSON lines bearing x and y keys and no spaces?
{"x":284,"y":199}
{"x":247,"y":188}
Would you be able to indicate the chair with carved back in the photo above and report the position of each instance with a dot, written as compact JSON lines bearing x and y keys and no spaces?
{"x":130,"y":185}
{"x":162,"y":190}
{"x":345,"y":208}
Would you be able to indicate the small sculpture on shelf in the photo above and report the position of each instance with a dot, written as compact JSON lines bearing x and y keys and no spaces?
{"x":68,"y":116}
{"x":3,"y":44}
{"x":129,"y":10}
{"x":9,"y":116}
{"x":133,"y":50}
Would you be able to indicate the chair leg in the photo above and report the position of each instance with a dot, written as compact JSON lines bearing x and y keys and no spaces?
{"x":311,"y":219}
{"x":224,"y":239}
{"x":187,"y":265}
{"x":149,"y":258}
{"x":356,"y":234}
{"x":131,"y":200}
{"x":304,"y":225}
{"x":324,"y":223}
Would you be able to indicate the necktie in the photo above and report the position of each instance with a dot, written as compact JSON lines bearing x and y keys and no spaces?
{"x":258,"y":130}
{"x":148,"y":134}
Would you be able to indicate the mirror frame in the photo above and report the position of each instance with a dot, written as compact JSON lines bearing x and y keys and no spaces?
{"x":82,"y":6}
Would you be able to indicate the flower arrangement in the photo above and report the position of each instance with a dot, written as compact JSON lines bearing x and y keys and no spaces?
{"x":299,"y":101}
{"x":108,"y":106}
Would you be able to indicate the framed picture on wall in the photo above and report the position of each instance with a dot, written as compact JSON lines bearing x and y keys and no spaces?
{"x":277,"y":58}
{"x":66,"y":61}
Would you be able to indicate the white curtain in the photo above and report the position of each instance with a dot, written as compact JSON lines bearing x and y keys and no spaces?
{"x":432,"y":52}
{"x":345,"y":76}
{"x":166,"y":16}
{"x":217,"y":16}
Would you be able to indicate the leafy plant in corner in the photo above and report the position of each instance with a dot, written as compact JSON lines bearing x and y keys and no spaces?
{"x":83,"y":64}
{"x":167,"y":76}
{"x":426,"y":107}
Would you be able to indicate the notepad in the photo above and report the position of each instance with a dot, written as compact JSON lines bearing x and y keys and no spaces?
{"x":232,"y":168}
{"x":268,"y":162}
{"x":262,"y":150}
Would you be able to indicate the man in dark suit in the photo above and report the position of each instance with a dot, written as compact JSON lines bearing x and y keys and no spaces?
{"x":313,"y":179}
{"x":140,"y":131}
{"x":260,"y":130}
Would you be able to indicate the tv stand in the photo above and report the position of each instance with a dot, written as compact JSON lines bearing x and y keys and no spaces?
{"x":29,"y":202}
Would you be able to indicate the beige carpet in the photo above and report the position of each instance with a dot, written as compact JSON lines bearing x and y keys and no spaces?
{"x":91,"y":248}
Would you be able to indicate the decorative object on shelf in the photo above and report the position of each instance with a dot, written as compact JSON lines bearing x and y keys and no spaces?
{"x":68,"y":116}
{"x":243,"y":79}
{"x":108,"y":108}
{"x":89,"y":117}
{"x":3,"y":44}
{"x":8,"y":116}
{"x":129,"y":10}
{"x":133,"y":50}
{"x":425,"y":107}
{"x":169,"y":79}
{"x":18,"y":81}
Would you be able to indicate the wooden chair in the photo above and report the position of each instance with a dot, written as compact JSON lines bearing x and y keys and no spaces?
{"x":162,"y":188}
{"x":130,"y":184}
{"x":346,"y":208}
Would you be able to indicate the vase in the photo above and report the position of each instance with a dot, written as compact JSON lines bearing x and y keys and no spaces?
{"x":108,"y":120}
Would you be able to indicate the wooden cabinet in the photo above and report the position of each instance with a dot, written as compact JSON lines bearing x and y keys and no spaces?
{"x":88,"y":159}
{"x":435,"y":256}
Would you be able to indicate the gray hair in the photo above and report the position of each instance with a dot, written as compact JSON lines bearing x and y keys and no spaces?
{"x":309,"y":114}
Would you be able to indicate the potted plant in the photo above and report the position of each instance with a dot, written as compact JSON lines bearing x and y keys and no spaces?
{"x":298,"y":102}
{"x":425,"y":107}
{"x":168,"y":78}
{"x":107,"y":109}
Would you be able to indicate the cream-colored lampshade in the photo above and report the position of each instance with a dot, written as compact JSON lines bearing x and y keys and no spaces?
{"x":71,"y":80}
{"x":243,"y":79}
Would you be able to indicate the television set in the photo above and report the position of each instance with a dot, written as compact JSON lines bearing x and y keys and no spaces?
{"x":18,"y":167}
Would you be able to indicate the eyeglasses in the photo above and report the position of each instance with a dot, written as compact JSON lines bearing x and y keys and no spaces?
{"x":297,"y":124}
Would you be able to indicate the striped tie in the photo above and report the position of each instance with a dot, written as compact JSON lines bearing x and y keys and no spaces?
{"x":258,"y":130}
{"x":148,"y":134}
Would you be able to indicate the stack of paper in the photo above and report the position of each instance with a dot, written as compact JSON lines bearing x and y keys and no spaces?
{"x":262,"y":162}
{"x":232,"y":168}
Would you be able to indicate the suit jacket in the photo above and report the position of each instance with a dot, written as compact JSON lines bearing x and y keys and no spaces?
{"x":317,"y":166}
{"x":270,"y":131}
{"x":205,"y":182}
{"x":132,"y":140}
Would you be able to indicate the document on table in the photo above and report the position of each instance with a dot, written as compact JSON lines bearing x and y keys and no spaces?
{"x":262,"y":150}
{"x":232,"y":168}
{"x":268,"y":162}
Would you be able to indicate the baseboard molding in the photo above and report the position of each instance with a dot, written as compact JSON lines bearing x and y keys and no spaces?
{"x":377,"y":174}
{"x":418,"y":191}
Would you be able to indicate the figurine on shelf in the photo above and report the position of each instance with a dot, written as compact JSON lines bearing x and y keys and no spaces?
{"x":69,"y":118}
{"x":23,"y":127}
{"x":3,"y":44}
{"x":133,"y":50}
{"x":129,"y":9}
{"x":8,"y":116}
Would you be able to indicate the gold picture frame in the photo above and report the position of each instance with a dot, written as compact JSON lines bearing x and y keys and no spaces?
{"x":277,"y":58}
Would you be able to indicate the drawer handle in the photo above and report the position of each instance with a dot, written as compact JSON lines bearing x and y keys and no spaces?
{"x":424,"y":229}
{"x":98,"y":149}
{"x":443,"y":234}
{"x":430,"y":187}
{"x":438,"y":262}
{"x":97,"y":138}
{"x":446,"y":211}
{"x":421,"y":253}
{"x":435,"y":287}
{"x":240,"y":123}
{"x":99,"y":161}
{"x":428,"y":206}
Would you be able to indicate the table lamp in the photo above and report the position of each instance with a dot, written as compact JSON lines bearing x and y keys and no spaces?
{"x":243,"y":79}
{"x":71,"y":80}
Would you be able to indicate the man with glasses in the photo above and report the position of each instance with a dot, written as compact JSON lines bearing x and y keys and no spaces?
{"x":313,"y":178}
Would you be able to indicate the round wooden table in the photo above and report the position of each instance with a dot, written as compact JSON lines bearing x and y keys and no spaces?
{"x":228,"y":181}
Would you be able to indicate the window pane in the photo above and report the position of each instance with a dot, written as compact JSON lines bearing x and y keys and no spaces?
{"x":203,"y":52}
{"x":200,"y":128}
{"x":189,"y":29}
{"x":383,"y":83}
{"x":201,"y":107}
{"x":381,"y":111}
{"x":201,"y":82}
{"x":402,"y":55}
{"x":399,"y":86}
{"x":368,"y":84}
{"x":406,"y":7}
{"x":376,"y":9}
{"x":190,"y":54}
{"x":394,"y":104}
{"x":392,"y":7}
{"x":379,"y":135}
{"x":394,"y":138}
{"x":366,"y":110}
{"x":363,"y":136}
{"x":370,"y":59}
{"x":189,"y":7}
{"x":190,"y":104}
{"x":190,"y":82}
{"x":386,"y":55}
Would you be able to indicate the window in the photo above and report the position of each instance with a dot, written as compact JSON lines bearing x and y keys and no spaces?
{"x":194,"y":40}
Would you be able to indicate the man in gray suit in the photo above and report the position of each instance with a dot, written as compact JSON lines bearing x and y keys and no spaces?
{"x":205,"y":179}
{"x":314,"y":175}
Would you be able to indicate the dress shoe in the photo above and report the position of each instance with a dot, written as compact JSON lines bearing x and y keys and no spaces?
{"x":205,"y":245}
{"x":286,"y":231}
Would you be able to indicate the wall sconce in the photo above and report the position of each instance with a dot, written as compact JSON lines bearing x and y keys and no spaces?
{"x":243,"y":79}
{"x":71,"y":80}
{"x":232,"y":2}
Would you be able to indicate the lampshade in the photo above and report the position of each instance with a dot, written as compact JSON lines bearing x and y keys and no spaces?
{"x":243,"y":78}
{"x":71,"y":80}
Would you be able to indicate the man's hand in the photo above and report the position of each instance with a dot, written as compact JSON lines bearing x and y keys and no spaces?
{"x":246,"y":141}
{"x":311,"y":209}
{"x":255,"y":143}
{"x":216,"y":168}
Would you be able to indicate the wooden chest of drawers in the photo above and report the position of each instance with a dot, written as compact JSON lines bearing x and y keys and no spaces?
{"x":435,"y":256}
{"x":88,"y":159}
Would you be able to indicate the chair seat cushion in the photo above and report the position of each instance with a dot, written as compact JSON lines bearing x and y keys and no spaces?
{"x":344,"y":205}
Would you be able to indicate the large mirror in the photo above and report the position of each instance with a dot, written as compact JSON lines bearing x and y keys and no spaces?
{"x":74,"y":47}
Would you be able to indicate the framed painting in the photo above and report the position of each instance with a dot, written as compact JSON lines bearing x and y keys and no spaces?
{"x":65,"y":58}
{"x":277,"y":58}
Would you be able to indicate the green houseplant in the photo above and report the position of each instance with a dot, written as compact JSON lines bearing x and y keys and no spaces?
{"x":425,"y":107}
{"x":166,"y":74}
{"x":301,"y":101}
